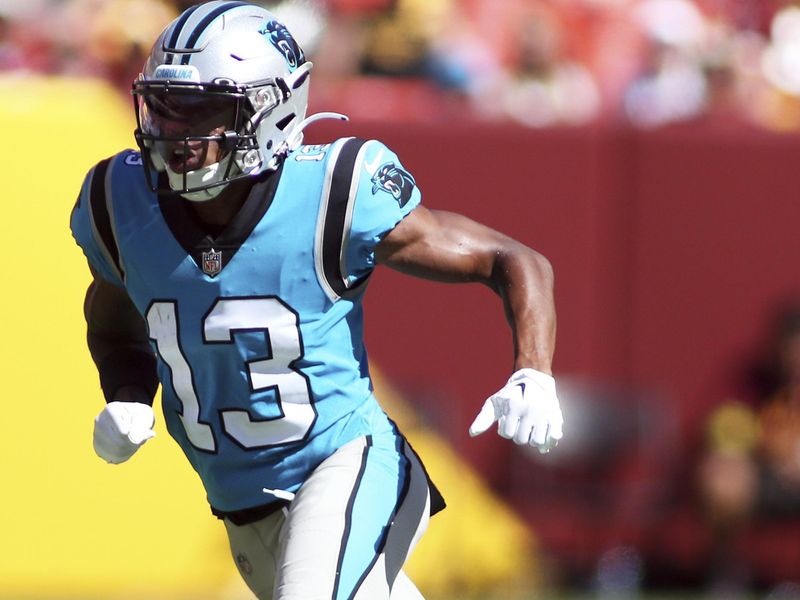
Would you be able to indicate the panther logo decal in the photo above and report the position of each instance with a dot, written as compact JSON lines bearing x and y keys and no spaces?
{"x":279,"y":36}
{"x":395,"y":181}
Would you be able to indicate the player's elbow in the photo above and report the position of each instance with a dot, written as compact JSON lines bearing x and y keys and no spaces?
{"x":543,"y":267}
{"x":516,"y":263}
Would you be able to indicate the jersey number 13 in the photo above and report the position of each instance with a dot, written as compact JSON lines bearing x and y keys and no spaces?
{"x":282,"y":335}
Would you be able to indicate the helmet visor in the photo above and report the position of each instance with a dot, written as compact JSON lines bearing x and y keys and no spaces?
{"x":173,"y":114}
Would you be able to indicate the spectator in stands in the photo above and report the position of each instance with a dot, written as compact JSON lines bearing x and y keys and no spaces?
{"x":536,"y":62}
{"x":11,"y":57}
{"x":778,"y":105}
{"x":399,"y":38}
{"x":24,"y":42}
{"x":752,"y":467}
{"x":672,"y":85}
{"x":733,"y":73}
{"x":546,"y":87}
{"x":121,"y":34}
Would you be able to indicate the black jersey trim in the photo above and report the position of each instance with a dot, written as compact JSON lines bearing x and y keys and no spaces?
{"x":247,"y":516}
{"x":195,"y":239}
{"x":401,"y":498}
{"x":336,"y":225}
{"x":381,"y":546}
{"x":203,"y":25}
{"x":101,"y":219}
{"x":348,"y":515}
{"x":438,"y":502}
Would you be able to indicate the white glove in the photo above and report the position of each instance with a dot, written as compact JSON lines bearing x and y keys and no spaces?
{"x":526,"y":410}
{"x":121,"y":428}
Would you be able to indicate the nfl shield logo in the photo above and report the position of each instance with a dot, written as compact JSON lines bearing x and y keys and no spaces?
{"x":212,"y":262}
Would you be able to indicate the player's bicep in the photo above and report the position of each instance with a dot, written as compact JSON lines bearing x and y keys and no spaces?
{"x":442,"y":246}
{"x":111,"y":315}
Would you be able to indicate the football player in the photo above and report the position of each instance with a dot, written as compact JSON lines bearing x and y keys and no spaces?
{"x":233,"y":274}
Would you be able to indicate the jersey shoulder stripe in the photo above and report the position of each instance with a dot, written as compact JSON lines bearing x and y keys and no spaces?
{"x":100,"y":213}
{"x":335,"y":218}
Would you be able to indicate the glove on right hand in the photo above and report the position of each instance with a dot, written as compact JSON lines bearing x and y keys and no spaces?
{"x":121,"y":428}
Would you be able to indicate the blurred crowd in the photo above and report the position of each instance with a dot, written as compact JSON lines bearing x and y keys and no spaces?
{"x":750,"y":472}
{"x":536,"y":62}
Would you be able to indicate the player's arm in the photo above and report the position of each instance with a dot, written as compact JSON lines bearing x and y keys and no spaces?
{"x":447,"y":247}
{"x":118,"y":342}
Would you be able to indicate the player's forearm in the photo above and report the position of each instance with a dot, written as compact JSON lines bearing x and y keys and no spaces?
{"x":524,"y":280}
{"x":122,"y":364}
{"x":118,"y":342}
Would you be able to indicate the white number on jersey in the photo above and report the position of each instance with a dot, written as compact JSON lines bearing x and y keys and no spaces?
{"x":282,"y":338}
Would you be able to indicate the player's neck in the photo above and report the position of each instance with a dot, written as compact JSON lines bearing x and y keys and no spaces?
{"x":220,"y":210}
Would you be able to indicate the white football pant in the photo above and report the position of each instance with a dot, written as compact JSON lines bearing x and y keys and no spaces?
{"x":347,"y":533}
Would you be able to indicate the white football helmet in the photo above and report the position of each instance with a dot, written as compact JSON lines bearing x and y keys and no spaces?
{"x":233,"y":69}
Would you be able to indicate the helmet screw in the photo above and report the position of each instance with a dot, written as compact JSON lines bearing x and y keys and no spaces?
{"x":251,"y":158}
{"x":263,"y":98}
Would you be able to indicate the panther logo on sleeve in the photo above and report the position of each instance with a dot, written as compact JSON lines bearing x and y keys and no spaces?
{"x":395,"y":181}
{"x":279,"y":36}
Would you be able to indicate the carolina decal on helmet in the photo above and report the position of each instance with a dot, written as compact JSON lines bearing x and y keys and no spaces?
{"x":396,"y":181}
{"x":279,"y":36}
{"x":177,"y":72}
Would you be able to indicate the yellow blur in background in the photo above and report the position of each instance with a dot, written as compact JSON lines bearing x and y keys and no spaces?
{"x":75,"y":527}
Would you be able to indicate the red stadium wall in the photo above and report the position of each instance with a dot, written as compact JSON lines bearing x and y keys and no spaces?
{"x":668,"y":246}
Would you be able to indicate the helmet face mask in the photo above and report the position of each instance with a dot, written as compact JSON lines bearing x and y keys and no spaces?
{"x":223,"y":90}
{"x":179,"y":125}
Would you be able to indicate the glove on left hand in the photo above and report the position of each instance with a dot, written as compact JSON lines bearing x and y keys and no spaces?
{"x":526,"y":410}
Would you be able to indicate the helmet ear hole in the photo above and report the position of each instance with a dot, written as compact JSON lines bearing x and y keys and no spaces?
{"x":284,"y":122}
{"x":301,"y":80}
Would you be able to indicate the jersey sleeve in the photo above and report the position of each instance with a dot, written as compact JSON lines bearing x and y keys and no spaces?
{"x":91,"y":225}
{"x":386,"y":193}
{"x":123,"y":362}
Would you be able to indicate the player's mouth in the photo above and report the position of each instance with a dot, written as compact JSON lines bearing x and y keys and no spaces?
{"x":186,"y":158}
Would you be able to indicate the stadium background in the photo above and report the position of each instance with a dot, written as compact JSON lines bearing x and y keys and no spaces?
{"x":672,"y":243}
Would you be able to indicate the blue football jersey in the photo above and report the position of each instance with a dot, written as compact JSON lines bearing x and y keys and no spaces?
{"x":257,"y":330}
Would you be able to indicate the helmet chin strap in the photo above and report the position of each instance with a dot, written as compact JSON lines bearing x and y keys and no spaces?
{"x":196,"y":178}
